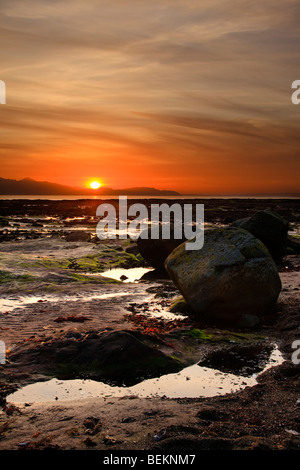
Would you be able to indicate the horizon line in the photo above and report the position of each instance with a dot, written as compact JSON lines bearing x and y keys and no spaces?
{"x":97,"y":192}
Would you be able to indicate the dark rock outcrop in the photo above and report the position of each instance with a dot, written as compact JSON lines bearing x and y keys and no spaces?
{"x":155,"y":252}
{"x":120,"y":357}
{"x":270,"y":228}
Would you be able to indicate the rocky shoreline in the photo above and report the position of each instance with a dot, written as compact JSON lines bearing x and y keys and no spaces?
{"x":70,"y":304}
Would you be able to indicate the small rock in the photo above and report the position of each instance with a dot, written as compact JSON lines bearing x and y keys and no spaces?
{"x":89,"y":442}
{"x":132,"y":249}
{"x":128,"y":420}
{"x":293,"y":432}
{"x":110,"y":441}
{"x":78,"y":236}
{"x":92,"y":425}
{"x":23,"y":444}
{"x":160,"y":435}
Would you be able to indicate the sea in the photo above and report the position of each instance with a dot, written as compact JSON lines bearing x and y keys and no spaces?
{"x":176,"y":197}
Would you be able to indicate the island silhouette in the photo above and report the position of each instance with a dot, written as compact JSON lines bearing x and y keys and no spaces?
{"x":29,"y":186}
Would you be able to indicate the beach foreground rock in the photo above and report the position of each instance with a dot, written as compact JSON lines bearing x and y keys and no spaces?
{"x":119,"y":357}
{"x":270,"y":228}
{"x":231,"y":280}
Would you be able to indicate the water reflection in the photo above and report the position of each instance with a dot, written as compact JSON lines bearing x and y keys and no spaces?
{"x":192,"y":382}
{"x":126,"y":275}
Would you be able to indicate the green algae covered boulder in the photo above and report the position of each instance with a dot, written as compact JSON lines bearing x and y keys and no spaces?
{"x":269,"y":227}
{"x":231,"y":280}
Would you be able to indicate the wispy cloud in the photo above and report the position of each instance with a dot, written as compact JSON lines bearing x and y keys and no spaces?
{"x":158,"y":89}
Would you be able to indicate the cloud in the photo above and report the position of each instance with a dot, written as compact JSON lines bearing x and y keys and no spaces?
{"x":160,"y":84}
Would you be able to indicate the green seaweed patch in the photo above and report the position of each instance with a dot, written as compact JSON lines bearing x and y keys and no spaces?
{"x":98,"y":263}
{"x":108,"y":280}
{"x":94,"y":280}
{"x":7,"y":276}
{"x":237,"y":337}
{"x":82,"y":278}
{"x":175,"y":358}
{"x":92,"y":263}
{"x":126,"y":260}
{"x":51,"y":263}
{"x":223,"y":336}
{"x":199,"y":334}
{"x":180,"y":305}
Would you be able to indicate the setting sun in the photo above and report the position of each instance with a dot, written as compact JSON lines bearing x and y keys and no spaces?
{"x":95,"y":185}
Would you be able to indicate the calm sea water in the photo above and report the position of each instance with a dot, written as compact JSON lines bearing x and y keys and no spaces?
{"x":185,"y":196}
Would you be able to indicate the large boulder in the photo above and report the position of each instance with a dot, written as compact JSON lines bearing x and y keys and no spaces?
{"x":270,"y":228}
{"x":231,"y":280}
{"x":156,"y":251}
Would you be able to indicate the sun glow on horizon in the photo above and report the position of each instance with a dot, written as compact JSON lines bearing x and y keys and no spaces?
{"x":95,"y":185}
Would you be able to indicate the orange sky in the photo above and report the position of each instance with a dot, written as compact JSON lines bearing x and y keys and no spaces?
{"x":188,"y":95}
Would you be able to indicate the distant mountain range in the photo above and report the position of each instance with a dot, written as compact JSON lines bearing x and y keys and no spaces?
{"x":30,"y":187}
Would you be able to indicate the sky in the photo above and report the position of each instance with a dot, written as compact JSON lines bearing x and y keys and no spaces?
{"x":187,"y":95}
